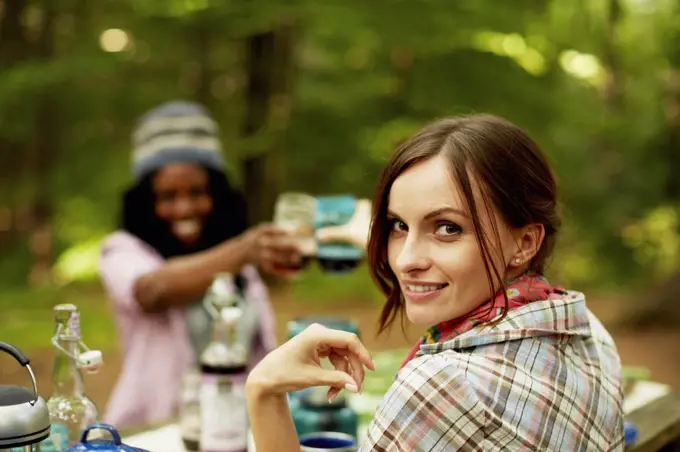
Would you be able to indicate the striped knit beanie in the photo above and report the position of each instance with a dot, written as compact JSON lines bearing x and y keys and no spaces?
{"x":175,"y":132}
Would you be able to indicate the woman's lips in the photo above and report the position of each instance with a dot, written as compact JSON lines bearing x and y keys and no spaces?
{"x":422,"y":292}
{"x":186,"y":228}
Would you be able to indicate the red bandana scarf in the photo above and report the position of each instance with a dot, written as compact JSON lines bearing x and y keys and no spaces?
{"x":521,"y":291}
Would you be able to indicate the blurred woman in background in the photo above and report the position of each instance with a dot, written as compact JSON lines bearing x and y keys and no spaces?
{"x":182,"y":223}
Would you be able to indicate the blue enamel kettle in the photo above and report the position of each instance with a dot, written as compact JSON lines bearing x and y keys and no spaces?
{"x":102,"y":445}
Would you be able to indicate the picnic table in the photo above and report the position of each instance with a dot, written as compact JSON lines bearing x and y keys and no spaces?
{"x":652,"y":407}
{"x":658,"y":423}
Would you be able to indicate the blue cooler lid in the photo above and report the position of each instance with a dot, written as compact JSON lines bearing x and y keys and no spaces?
{"x":103,"y":445}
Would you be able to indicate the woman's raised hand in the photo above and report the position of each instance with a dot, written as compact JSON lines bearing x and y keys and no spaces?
{"x":296,"y":364}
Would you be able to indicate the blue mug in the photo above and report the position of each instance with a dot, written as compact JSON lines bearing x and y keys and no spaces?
{"x":327,"y":441}
{"x":338,"y":257}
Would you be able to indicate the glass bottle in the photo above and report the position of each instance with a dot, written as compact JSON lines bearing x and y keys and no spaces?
{"x":70,"y":409}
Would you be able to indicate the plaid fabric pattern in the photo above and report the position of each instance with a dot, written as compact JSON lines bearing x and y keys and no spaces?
{"x":546,"y":378}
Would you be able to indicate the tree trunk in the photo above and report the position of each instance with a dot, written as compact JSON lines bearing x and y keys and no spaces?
{"x":660,"y":304}
{"x":44,"y":148}
{"x":269,"y":65}
{"x":672,"y":108}
{"x":402,"y":65}
{"x":14,"y":48}
{"x":613,"y":88}
{"x":200,"y":31}
{"x":609,"y":163}
{"x":12,"y":39}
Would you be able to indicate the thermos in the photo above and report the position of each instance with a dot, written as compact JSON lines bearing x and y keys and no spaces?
{"x":223,"y":363}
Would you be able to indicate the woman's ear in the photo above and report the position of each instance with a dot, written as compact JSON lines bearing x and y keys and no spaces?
{"x":529,"y":240}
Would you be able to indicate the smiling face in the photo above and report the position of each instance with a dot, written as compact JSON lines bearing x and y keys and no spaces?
{"x":462,"y":206}
{"x":183,"y":200}
{"x":433,"y":250}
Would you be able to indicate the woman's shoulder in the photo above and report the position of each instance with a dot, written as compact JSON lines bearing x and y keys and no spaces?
{"x":426,"y":375}
{"x":460,"y":389}
{"x":122,"y":251}
{"x":432,"y":393}
{"x":123,"y":258}
{"x":511,"y":364}
{"x":124,"y":241}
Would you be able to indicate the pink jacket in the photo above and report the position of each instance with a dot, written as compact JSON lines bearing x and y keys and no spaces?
{"x":156,"y":347}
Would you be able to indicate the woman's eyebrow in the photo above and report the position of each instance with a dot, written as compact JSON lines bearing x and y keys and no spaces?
{"x":435,"y":213}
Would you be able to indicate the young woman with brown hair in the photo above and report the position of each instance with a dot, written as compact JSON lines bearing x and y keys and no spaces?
{"x":464,"y":221}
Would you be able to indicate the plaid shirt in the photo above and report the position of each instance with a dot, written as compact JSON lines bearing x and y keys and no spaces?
{"x":545,"y":378}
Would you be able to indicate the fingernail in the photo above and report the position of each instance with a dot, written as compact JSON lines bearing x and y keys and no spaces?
{"x":332,"y":397}
{"x":351,"y":388}
{"x":373,"y":361}
{"x":350,"y":380}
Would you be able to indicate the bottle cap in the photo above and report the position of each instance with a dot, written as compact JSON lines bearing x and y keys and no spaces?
{"x":67,"y":321}
{"x":90,"y":360}
{"x":223,"y":284}
{"x":231,"y":314}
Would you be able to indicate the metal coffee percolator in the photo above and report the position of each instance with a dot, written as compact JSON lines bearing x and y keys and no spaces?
{"x":24,"y":417}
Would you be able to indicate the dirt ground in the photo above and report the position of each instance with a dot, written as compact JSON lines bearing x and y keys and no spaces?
{"x":655,"y":349}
